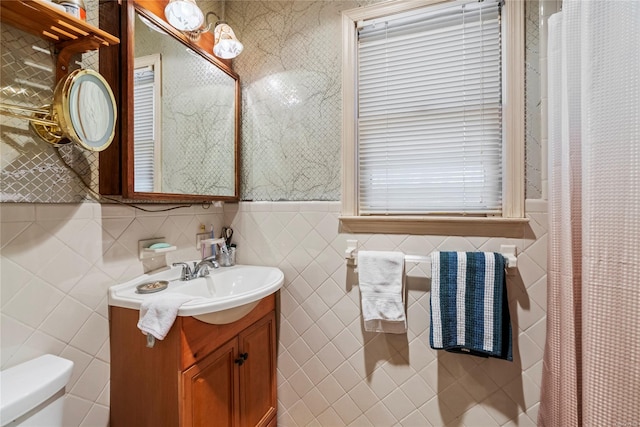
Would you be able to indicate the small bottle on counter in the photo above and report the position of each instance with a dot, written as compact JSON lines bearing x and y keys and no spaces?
{"x":74,"y":7}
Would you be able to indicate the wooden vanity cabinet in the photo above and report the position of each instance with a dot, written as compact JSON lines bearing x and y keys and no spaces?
{"x":200,"y":375}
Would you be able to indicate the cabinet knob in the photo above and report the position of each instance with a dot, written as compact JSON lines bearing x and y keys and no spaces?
{"x":242,"y":357}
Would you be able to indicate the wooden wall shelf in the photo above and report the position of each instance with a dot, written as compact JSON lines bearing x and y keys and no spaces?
{"x":69,"y":34}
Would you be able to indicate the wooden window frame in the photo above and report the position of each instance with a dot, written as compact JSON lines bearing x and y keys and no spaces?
{"x":511,"y":222}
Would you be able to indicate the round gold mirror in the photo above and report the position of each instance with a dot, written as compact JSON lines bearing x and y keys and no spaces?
{"x":83,"y":112}
{"x":85,"y":109}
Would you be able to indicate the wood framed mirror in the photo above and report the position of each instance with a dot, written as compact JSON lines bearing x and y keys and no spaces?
{"x":179,"y":109}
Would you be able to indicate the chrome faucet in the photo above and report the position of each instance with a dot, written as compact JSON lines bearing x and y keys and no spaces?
{"x":186,"y":270}
{"x":200,"y":269}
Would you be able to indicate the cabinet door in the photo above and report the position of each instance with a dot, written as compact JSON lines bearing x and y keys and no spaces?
{"x":210,"y":390}
{"x":258,"y":399}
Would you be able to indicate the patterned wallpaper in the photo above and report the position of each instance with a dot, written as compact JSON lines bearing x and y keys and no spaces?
{"x":290,"y":75}
{"x":533,"y":97}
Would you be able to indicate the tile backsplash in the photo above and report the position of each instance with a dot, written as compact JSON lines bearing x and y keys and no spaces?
{"x":56,"y":266}
{"x":331,"y":373}
{"x":59,"y":260}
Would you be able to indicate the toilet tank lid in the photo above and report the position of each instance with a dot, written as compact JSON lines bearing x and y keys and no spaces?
{"x":25,"y":386}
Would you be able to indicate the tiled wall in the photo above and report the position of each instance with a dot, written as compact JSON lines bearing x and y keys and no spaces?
{"x":57,"y":263}
{"x":331,"y":373}
{"x":59,"y":260}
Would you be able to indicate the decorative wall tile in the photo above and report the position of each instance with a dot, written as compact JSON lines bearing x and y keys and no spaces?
{"x":329,"y":369}
{"x":377,"y":379}
{"x":57,"y":265}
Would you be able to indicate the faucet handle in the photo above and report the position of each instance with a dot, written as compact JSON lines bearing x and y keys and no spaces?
{"x":183,"y":264}
{"x":209,"y":261}
{"x":186,"y":270}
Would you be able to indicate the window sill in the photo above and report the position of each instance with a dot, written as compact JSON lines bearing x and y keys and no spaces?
{"x":431,"y":225}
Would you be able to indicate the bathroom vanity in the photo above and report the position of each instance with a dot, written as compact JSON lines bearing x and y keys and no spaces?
{"x":201,"y":374}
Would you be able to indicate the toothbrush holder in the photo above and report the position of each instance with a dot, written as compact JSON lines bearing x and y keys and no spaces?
{"x":227,"y":259}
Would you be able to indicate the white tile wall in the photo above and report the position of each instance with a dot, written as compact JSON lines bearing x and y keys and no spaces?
{"x":331,"y":373}
{"x":57,"y":262}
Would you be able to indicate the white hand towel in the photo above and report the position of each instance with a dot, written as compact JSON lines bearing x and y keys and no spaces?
{"x":381,"y":276}
{"x":157,"y":313}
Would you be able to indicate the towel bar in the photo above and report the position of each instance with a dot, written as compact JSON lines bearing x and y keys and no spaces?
{"x":508,"y":251}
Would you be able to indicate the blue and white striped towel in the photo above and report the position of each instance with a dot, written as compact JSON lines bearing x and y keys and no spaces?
{"x":469,"y":308}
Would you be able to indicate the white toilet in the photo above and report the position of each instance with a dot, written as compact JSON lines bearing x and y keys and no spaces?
{"x":32,"y":393}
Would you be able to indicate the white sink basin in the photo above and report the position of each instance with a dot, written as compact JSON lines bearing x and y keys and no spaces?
{"x":226,"y":295}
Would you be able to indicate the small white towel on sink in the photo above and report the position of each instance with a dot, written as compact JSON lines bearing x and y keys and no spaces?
{"x":158,"y":312}
{"x":381,"y":277}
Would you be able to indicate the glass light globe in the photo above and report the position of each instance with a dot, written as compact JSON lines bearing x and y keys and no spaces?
{"x":226,"y":45}
{"x":185,"y":15}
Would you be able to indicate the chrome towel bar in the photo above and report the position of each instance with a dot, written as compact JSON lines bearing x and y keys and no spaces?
{"x":351,"y":255}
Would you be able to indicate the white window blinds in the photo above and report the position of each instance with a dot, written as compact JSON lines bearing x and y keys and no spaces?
{"x":144,"y":128}
{"x":429,"y":111}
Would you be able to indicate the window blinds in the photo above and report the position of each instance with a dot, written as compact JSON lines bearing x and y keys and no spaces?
{"x":429,"y":111}
{"x":143,"y":128}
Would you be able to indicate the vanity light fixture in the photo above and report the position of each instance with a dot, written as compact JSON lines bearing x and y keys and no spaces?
{"x":226,"y":45}
{"x":185,"y":15}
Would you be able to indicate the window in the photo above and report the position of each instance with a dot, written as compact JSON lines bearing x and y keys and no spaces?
{"x":432,"y":115}
{"x":147,"y":82}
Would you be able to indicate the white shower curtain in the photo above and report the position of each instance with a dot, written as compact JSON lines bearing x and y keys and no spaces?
{"x":591,"y":372}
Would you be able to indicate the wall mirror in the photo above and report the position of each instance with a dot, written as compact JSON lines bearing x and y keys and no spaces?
{"x":181,"y":131}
